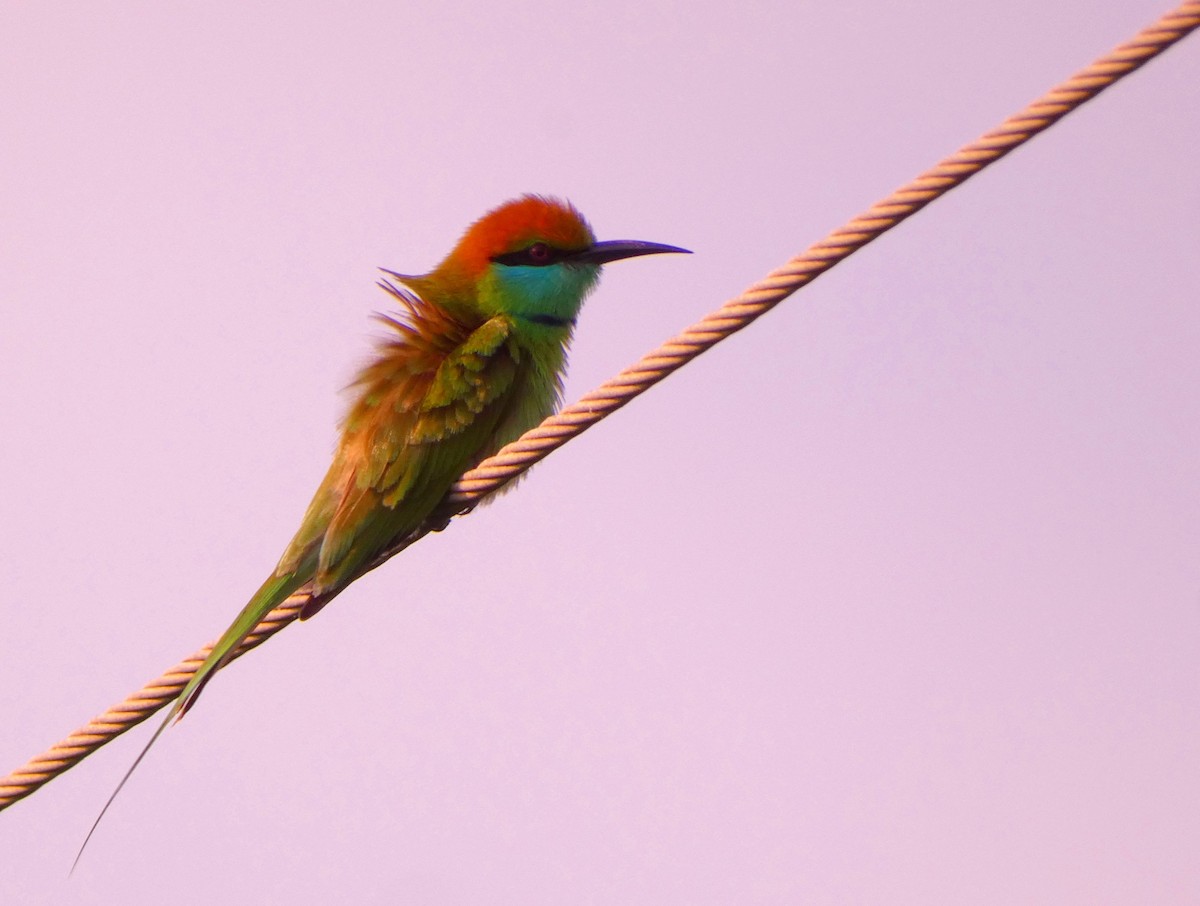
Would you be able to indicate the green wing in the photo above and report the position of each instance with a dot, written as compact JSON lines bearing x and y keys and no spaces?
{"x":402,"y":458}
{"x":423,"y":417}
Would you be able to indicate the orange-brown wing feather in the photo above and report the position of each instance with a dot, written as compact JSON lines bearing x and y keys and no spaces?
{"x":427,"y":406}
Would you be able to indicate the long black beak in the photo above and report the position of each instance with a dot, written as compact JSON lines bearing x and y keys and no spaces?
{"x":616,"y":249}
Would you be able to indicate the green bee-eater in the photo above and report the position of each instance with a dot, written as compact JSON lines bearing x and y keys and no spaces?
{"x":475,"y":358}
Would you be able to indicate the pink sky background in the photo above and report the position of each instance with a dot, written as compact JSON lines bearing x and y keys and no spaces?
{"x":893,"y":598}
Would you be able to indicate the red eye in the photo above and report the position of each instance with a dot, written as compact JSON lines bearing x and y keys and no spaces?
{"x":539,"y":253}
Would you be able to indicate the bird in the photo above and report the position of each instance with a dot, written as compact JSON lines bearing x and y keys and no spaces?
{"x":473,"y":358}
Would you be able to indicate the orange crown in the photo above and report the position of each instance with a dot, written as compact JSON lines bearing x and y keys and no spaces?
{"x":515,"y":225}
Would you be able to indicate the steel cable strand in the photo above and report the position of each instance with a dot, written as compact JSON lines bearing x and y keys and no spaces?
{"x":652,"y":368}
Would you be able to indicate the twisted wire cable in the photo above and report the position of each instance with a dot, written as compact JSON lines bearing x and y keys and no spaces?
{"x":731,"y":317}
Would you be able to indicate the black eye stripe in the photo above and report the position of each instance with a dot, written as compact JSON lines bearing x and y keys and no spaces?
{"x":537,"y":255}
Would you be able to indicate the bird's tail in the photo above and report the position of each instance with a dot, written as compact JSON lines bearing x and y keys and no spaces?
{"x":272,"y":593}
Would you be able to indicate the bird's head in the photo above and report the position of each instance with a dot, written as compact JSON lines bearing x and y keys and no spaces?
{"x":534,"y":258}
